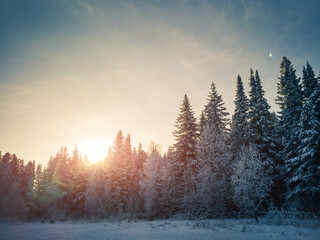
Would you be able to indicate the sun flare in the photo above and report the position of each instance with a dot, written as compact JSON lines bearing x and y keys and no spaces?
{"x":95,"y":149}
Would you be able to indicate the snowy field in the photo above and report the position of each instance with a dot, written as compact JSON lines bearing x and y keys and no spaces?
{"x":208,"y":229}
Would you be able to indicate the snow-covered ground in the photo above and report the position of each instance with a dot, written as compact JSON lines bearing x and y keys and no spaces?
{"x":208,"y":229}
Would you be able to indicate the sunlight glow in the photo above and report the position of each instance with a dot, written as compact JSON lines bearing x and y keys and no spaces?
{"x":95,"y":149}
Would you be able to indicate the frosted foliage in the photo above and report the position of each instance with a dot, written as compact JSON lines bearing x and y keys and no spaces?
{"x":156,"y":172}
{"x":98,"y":198}
{"x":212,"y":158}
{"x":250,"y":184}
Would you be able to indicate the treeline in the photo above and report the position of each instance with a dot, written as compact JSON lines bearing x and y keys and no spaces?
{"x":254,"y":161}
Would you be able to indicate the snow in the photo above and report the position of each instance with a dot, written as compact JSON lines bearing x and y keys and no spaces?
{"x":164,"y":229}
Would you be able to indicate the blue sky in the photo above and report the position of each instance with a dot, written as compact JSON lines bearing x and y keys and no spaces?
{"x":74,"y":71}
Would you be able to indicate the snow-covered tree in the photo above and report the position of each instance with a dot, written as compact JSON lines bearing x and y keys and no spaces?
{"x":289,"y":99}
{"x":154,"y":186}
{"x":184,"y":153}
{"x":239,"y":127}
{"x":213,"y":175}
{"x":80,"y":175}
{"x":98,"y":194}
{"x":215,"y":111}
{"x":137,"y":172}
{"x":118,"y":173}
{"x":11,"y":202}
{"x":306,"y":176}
{"x":250,"y":183}
{"x":213,"y":179}
{"x":309,"y":82}
{"x":261,"y":123}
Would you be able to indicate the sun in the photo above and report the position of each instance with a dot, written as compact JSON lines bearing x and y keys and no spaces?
{"x":95,"y":149}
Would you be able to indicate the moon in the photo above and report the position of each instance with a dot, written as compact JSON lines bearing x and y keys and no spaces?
{"x":270,"y":55}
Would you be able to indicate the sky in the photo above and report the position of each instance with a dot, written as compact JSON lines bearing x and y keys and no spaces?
{"x":76,"y":72}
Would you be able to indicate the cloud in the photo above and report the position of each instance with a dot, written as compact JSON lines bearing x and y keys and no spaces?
{"x":122,"y":66}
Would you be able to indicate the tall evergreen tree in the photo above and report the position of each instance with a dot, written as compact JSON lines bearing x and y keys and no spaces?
{"x":289,"y":99}
{"x":213,"y":180}
{"x":117,"y":175}
{"x":139,"y":157}
{"x":263,"y":128}
{"x":80,"y":175}
{"x":305,"y":180}
{"x":184,"y":152}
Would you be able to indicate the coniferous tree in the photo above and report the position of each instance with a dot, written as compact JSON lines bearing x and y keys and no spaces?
{"x":213,"y":176}
{"x":139,"y":157}
{"x":306,"y":177}
{"x":154,"y":184}
{"x":215,"y":111}
{"x":213,"y":180}
{"x":80,"y":175}
{"x":290,"y":99}
{"x":251,"y":184}
{"x":239,"y":127}
{"x":184,"y":154}
{"x":117,"y":175}
{"x":11,"y":202}
{"x":264,"y":133}
{"x":98,"y":200}
{"x":262,"y":124}
{"x":309,"y":82}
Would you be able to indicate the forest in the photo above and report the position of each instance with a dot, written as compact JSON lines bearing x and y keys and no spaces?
{"x":239,"y":166}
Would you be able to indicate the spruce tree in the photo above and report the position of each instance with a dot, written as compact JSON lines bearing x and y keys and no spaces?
{"x":239,"y":127}
{"x":139,"y":157}
{"x":215,"y":111}
{"x":290,"y":100}
{"x":213,"y":179}
{"x":306,"y":177}
{"x":263,"y":130}
{"x":80,"y":175}
{"x":117,"y":175}
{"x":184,"y":152}
{"x":265,"y":127}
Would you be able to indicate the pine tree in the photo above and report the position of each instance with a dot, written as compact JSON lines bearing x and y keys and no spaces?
{"x":263,"y":126}
{"x":264,"y":132}
{"x":139,"y":157}
{"x":184,"y":152}
{"x":306,"y":177}
{"x":77,"y":194}
{"x":213,"y":179}
{"x":239,"y":128}
{"x":290,"y":99}
{"x":14,"y":164}
{"x":11,"y":202}
{"x":127,"y":168}
{"x":215,"y":111}
{"x":309,"y":82}
{"x":117,"y":175}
